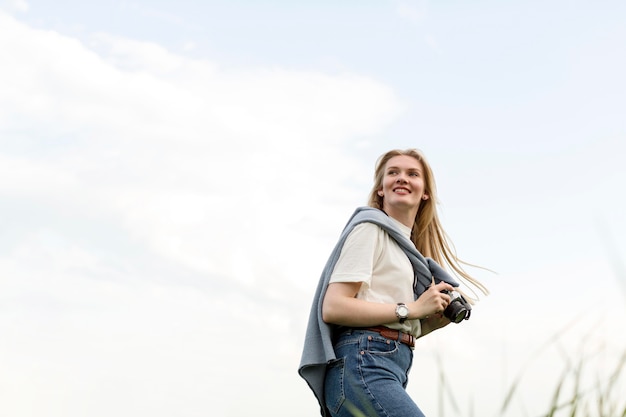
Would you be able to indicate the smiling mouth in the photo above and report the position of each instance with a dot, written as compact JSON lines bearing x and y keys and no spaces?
{"x":403,"y":190}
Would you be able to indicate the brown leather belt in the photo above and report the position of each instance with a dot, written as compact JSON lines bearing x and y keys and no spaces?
{"x":391,"y":334}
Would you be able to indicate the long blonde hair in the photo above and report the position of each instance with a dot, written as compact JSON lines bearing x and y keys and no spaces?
{"x":428,"y":234}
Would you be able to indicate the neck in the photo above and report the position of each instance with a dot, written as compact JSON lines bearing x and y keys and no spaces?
{"x":406,"y":217}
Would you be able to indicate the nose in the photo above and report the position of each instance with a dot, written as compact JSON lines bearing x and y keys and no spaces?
{"x":401,"y":179}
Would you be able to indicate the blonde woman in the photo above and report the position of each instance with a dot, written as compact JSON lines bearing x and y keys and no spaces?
{"x":383,"y":287}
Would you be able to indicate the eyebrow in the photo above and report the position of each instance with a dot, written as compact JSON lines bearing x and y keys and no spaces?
{"x":408,"y":169}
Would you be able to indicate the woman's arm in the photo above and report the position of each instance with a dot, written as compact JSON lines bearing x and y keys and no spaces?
{"x":340,"y":306}
{"x":343,"y":308}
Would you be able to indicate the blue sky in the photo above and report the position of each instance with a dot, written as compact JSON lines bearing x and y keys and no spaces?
{"x":173,"y":176}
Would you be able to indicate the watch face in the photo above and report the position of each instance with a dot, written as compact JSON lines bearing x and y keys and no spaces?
{"x":403,"y":311}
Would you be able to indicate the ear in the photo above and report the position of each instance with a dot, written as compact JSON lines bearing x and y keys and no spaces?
{"x":425,"y":197}
{"x":380,"y":193}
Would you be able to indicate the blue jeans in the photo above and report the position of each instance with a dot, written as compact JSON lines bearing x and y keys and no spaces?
{"x":369,"y":377}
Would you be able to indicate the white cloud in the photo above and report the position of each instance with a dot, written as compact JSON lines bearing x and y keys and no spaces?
{"x":178,"y":148}
{"x":157,"y":204}
{"x":160,"y":349}
{"x":414,"y":11}
{"x":22,"y":176}
{"x":16,"y":5}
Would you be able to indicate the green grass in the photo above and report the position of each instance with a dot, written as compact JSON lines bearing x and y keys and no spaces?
{"x":571,"y":397}
{"x":592,"y":382}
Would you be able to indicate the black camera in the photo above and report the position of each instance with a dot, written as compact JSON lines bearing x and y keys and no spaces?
{"x":458,"y":309}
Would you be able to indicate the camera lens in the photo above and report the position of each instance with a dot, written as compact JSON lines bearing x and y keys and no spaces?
{"x":455,"y":312}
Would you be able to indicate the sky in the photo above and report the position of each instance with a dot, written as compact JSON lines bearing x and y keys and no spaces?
{"x":173,"y":176}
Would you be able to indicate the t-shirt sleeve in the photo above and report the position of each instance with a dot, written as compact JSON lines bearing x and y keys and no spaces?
{"x":356,"y":261}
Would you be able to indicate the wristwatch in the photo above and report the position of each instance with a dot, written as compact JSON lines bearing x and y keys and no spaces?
{"x":402,"y":311}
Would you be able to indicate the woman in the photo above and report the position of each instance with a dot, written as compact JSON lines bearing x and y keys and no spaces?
{"x":381,"y":289}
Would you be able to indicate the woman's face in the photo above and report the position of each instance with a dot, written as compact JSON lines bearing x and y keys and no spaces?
{"x":403,"y":184}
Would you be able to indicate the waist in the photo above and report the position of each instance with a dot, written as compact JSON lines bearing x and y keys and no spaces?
{"x":392,"y":334}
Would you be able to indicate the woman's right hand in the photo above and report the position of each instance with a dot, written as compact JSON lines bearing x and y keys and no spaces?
{"x":432,"y":301}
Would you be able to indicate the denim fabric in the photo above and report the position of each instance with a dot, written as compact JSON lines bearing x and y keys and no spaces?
{"x":369,"y":377}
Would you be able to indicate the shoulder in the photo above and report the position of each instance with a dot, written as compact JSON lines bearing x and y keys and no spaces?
{"x":366,"y":213}
{"x":365,"y":235}
{"x":366,"y":229}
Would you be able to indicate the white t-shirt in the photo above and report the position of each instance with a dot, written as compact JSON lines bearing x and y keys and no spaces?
{"x":370,"y":256}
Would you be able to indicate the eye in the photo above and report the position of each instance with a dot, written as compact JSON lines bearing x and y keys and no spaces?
{"x":414,"y":174}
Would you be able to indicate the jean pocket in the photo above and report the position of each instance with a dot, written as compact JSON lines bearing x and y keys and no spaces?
{"x":379,"y":345}
{"x":334,"y":390}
